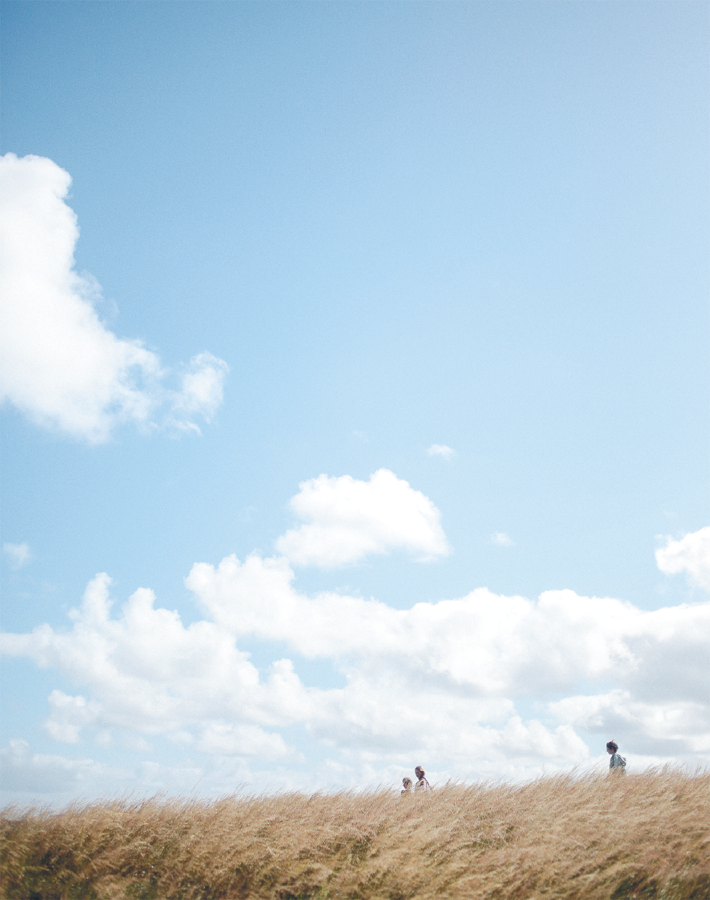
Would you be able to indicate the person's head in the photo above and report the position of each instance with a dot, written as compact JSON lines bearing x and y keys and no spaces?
{"x":406,"y":783}
{"x":419,"y":772}
{"x":612,"y":747}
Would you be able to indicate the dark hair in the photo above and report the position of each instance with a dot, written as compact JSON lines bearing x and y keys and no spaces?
{"x":613,"y":746}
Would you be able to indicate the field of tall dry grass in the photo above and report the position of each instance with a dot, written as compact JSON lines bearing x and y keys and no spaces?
{"x":625,"y":836}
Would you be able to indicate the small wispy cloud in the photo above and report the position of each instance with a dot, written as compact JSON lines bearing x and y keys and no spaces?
{"x":501,"y":539}
{"x":691,"y":555}
{"x":19,"y":554}
{"x":441,"y":450}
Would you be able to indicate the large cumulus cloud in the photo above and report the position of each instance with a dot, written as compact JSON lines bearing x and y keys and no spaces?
{"x":450,"y":682}
{"x":59,"y":364}
{"x":483,"y":684}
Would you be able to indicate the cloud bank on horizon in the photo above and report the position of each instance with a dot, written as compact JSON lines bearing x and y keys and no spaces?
{"x":59,"y":364}
{"x":506,"y":680}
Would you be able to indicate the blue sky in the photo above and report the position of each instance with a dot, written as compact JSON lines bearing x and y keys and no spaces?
{"x":316,"y":242}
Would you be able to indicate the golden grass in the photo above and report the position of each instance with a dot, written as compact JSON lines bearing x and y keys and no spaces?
{"x":602,"y":838}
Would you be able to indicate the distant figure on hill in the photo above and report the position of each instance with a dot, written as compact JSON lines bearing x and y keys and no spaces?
{"x":406,"y":786}
{"x":617,"y":763}
{"x":422,"y":784}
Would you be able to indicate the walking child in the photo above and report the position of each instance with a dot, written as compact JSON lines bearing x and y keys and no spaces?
{"x":617,"y":763}
{"x":422,"y":783}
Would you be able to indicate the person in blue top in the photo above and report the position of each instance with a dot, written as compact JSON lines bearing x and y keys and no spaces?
{"x":617,"y":761}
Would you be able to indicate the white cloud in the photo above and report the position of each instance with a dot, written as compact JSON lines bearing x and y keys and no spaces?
{"x":59,"y":364}
{"x":488,"y":644}
{"x":501,"y":539}
{"x":349,"y":519}
{"x":69,"y":715}
{"x":228,"y":739}
{"x":26,"y":772}
{"x":441,"y":450}
{"x":202,"y":386}
{"x":481,"y":685}
{"x":442,"y":678}
{"x":678,"y":727}
{"x":691,"y":555}
{"x":19,"y":554}
{"x":149,"y":674}
{"x":56,"y":780}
